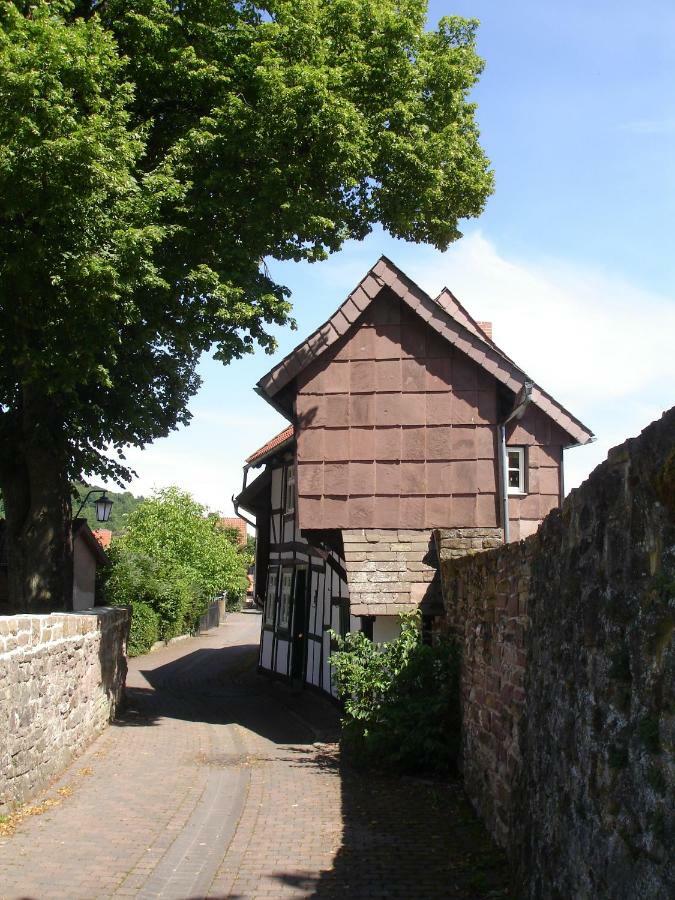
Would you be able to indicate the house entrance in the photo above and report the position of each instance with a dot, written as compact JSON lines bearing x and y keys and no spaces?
{"x":299,"y":649}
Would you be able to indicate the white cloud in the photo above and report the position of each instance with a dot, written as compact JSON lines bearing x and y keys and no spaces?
{"x":602,"y":346}
{"x":585,"y":334}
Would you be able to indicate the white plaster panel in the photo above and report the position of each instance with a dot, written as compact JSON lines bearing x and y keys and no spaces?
{"x":385,"y":628}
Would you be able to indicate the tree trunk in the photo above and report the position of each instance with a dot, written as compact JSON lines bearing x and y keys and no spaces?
{"x":36,"y":491}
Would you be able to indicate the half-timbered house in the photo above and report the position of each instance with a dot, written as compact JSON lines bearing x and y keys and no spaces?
{"x":406,"y":420}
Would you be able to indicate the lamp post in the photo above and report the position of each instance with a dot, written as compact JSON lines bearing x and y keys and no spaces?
{"x":103,"y":505}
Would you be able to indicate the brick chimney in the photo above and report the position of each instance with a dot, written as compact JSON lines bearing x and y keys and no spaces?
{"x":486,"y":327}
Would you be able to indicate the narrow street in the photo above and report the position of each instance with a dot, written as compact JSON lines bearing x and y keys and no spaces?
{"x":217,"y":782}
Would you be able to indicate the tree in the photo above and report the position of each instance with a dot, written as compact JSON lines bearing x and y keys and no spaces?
{"x":152,"y":155}
{"x":171,"y":559}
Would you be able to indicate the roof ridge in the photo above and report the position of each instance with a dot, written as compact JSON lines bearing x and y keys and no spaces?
{"x":479,"y":331}
{"x":474,"y":343}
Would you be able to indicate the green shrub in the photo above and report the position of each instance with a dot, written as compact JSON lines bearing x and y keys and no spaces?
{"x":235,"y":603}
{"x":173,"y":559}
{"x":401,"y":699}
{"x":144,"y":628}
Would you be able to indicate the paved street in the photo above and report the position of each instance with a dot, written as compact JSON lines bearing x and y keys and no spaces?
{"x":219,"y":783}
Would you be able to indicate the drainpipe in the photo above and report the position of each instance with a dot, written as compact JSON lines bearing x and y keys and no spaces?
{"x":520,"y":404}
{"x":234,"y":499}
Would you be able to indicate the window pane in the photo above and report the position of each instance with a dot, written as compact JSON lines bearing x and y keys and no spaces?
{"x":514,"y":459}
{"x":285,"y":605}
{"x":514,"y":478}
{"x":271,"y":597}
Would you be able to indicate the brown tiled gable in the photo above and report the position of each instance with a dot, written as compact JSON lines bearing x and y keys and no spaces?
{"x":456,"y":328}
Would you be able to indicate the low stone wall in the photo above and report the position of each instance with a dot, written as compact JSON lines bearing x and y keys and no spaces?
{"x":61,"y":679}
{"x":568,"y":683}
{"x":390,"y":571}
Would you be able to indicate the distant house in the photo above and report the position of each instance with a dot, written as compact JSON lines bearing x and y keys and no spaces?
{"x":405,"y":417}
{"x":234,"y":523}
{"x":88,"y":555}
{"x":103,"y":536}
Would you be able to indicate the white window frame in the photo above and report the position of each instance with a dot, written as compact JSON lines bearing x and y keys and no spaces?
{"x":270,"y":600}
{"x":521,"y":469}
{"x":285,"y":599}
{"x":289,"y":490}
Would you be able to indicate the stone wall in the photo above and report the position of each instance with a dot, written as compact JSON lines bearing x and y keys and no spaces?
{"x":61,"y":679}
{"x":486,"y":607}
{"x":390,"y":571}
{"x":567,"y":683}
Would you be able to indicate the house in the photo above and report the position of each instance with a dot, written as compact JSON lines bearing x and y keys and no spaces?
{"x":88,"y":554}
{"x":235,"y":524}
{"x":103,"y":536}
{"x":405,"y":417}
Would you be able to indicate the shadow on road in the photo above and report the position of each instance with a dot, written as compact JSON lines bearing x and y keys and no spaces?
{"x":401,"y":837}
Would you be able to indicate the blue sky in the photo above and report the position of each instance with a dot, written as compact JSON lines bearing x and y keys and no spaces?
{"x":572,"y":260}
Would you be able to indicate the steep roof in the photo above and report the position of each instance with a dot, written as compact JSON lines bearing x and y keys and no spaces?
{"x":445,"y":315}
{"x":273,"y":444}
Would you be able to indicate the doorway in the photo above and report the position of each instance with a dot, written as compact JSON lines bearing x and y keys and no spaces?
{"x":299,"y":651}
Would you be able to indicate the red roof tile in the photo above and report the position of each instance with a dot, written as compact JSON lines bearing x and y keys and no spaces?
{"x":272,"y":444}
{"x":103,"y":536}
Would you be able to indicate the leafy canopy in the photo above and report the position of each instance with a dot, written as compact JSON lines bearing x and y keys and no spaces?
{"x":172,"y":559}
{"x":172,"y":528}
{"x":153,"y":154}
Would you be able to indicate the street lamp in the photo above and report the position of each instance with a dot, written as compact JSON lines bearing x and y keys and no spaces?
{"x":103,"y":505}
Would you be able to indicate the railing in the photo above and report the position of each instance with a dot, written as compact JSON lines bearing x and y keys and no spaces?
{"x":212,"y":616}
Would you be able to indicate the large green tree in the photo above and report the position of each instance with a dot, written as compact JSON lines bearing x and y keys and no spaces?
{"x":152,"y":155}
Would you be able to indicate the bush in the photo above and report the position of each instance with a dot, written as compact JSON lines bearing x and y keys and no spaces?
{"x":173,"y":559}
{"x":401,"y":699}
{"x":144,"y":628}
{"x":138,"y":578}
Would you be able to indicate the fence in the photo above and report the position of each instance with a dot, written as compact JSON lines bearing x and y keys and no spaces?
{"x":214,"y":615}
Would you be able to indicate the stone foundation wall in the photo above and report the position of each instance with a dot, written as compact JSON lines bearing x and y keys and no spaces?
{"x":390,"y":571}
{"x":61,"y":679}
{"x":568,"y":683}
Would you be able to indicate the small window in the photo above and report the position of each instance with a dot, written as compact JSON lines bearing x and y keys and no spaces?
{"x":516,"y":470}
{"x":289,"y":499}
{"x":285,"y":603}
{"x":272,"y":578}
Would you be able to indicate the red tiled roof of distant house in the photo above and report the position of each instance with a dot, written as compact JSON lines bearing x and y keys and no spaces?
{"x":236,"y":523}
{"x":103,"y":536}
{"x":277,"y":441}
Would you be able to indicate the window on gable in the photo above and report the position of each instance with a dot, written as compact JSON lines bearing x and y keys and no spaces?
{"x":516,"y":470}
{"x":289,"y":496}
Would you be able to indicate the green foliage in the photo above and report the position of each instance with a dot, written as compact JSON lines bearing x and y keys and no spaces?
{"x":152,"y":154}
{"x":401,"y":699}
{"x":250,"y":549}
{"x":144,"y":630}
{"x":173,"y":559}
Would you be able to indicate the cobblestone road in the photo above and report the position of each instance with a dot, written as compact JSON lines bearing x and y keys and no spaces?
{"x":218,"y":783}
